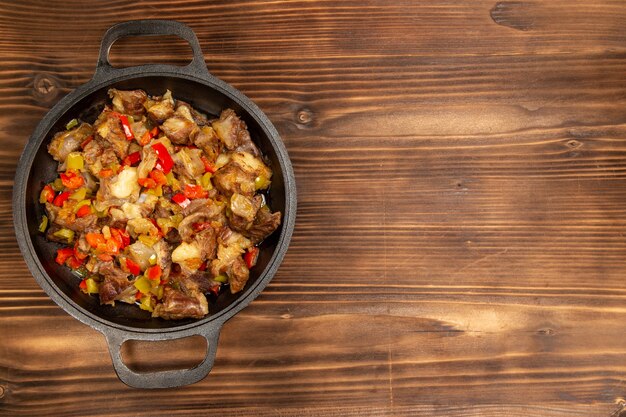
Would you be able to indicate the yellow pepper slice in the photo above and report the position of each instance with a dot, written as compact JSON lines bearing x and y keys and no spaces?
{"x":75,"y":161}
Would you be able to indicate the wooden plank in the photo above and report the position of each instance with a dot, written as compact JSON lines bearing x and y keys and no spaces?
{"x":459,"y":242}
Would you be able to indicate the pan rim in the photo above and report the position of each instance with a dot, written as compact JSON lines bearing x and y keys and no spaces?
{"x":39,"y":135}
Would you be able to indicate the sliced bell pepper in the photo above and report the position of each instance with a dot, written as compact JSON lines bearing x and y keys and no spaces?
{"x":194,"y":191}
{"x":72,"y":180}
{"x":73,"y":263}
{"x":205,"y":181}
{"x":61,"y":198}
{"x":91,"y":286}
{"x":79,"y":195}
{"x":154,"y":272}
{"x":143,"y":284}
{"x":208,"y":165}
{"x":132,"y":159}
{"x":95,"y":239}
{"x":47,"y":194}
{"x":251,"y":256}
{"x":63,"y":255}
{"x":78,"y":254}
{"x":165,"y":162}
{"x":147,"y":137}
{"x":72,"y":123}
{"x":84,"y":211}
{"x":86,"y":141}
{"x":120,"y":237}
{"x":221,"y":278}
{"x":44,"y":223}
{"x":125,"y":125}
{"x":147,"y":183}
{"x":181,"y":200}
{"x":105,"y":257}
{"x":75,"y":161}
{"x":158,"y":177}
{"x":133,"y":267}
{"x":66,"y":234}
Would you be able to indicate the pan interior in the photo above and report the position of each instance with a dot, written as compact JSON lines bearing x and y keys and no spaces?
{"x":205,"y":99}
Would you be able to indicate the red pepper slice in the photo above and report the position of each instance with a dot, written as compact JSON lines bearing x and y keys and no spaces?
{"x":147,"y":182}
{"x":73,"y":262}
{"x":61,"y":198}
{"x":120,"y":237}
{"x":86,"y":141}
{"x":125,"y":125}
{"x":105,"y":257}
{"x":95,"y":239}
{"x":215,"y":289}
{"x":132,"y":159}
{"x":83,"y":285}
{"x":148,"y":136}
{"x":138,"y":295}
{"x":47,"y":194}
{"x":63,"y":255}
{"x":72,"y":180}
{"x":195,"y":191}
{"x":158,"y":177}
{"x":208,"y":165}
{"x":83,"y":211}
{"x":78,"y":254}
{"x":106,"y":173}
{"x":166,"y":162}
{"x":154,"y":272}
{"x":133,"y":268}
{"x":125,"y":237}
{"x":181,"y":200}
{"x":251,"y":257}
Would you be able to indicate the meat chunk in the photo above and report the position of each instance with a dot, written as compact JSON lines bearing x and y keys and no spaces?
{"x":207,"y":241}
{"x":164,"y":257}
{"x":109,"y":128}
{"x":187,"y":162}
{"x":233,"y":132}
{"x":238,"y":275}
{"x":161,"y":109}
{"x":264,"y":224}
{"x":232,"y":178}
{"x":204,"y":212}
{"x":207,"y":140}
{"x":197,"y":117}
{"x":178,"y":305}
{"x":178,"y":129}
{"x":231,"y":245}
{"x":114,"y":284}
{"x":148,"y":162}
{"x":128,"y":101}
{"x":69,"y":141}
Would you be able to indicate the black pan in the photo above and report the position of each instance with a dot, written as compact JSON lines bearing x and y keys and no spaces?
{"x":195,"y":85}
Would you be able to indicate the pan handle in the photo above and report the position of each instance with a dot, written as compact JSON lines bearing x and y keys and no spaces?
{"x":149,"y":27}
{"x":161,"y":379}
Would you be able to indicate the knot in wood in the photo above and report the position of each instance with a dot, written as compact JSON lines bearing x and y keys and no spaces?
{"x":304,"y":116}
{"x":46,"y":87}
{"x":2,"y":392}
{"x":574,"y":144}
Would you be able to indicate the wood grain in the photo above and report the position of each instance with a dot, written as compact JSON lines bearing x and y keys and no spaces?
{"x":460,"y":241}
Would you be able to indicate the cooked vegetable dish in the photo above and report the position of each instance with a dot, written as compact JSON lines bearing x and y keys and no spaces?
{"x":158,"y":205}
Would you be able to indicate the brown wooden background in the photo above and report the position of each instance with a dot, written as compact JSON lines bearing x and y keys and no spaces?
{"x":460,"y":246}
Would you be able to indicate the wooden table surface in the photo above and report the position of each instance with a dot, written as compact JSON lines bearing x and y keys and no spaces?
{"x":460,"y":244}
